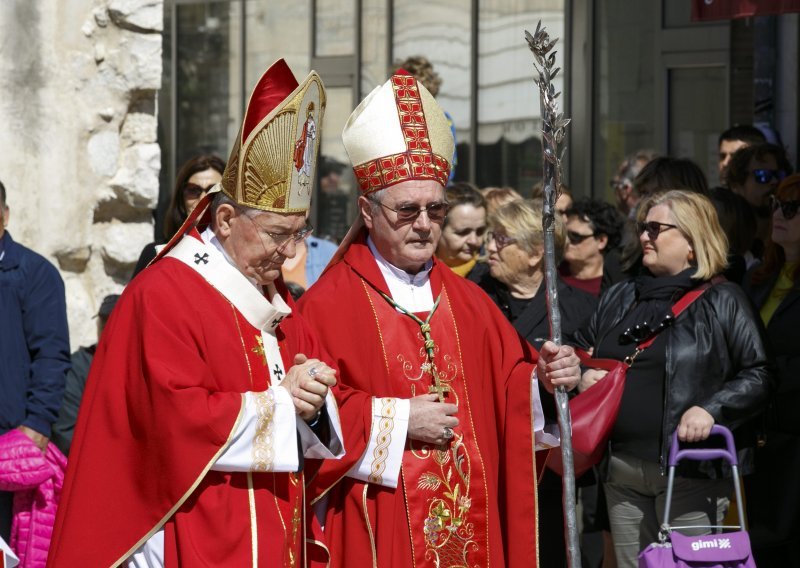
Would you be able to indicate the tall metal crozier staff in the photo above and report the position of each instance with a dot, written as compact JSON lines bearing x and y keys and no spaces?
{"x":554,"y":126}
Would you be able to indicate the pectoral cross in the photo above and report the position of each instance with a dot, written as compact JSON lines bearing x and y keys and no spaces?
{"x":430,"y":347}
{"x":439,"y":388}
{"x":259,"y":349}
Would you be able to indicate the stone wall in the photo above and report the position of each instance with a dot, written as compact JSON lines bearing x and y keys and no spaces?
{"x":78,"y":151}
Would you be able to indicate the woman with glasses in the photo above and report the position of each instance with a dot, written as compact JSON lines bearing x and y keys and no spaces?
{"x":464,"y":228}
{"x":773,"y":494}
{"x":594,"y":231}
{"x":515,"y":282}
{"x":708,"y":365}
{"x":194,"y":179}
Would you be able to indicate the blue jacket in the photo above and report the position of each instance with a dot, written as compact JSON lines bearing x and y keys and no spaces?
{"x":34,"y":339}
{"x":319,"y":254}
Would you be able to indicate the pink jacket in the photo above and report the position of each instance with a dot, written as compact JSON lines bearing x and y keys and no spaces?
{"x":36,"y":480}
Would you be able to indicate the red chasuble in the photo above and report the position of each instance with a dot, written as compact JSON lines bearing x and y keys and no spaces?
{"x":163,"y":398}
{"x":471,"y":504}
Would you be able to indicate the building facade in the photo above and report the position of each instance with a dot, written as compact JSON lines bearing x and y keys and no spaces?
{"x":642,"y":76}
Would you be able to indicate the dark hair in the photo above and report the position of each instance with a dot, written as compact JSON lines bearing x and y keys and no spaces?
{"x":327,"y":165}
{"x":176,"y":212}
{"x":739,"y":166}
{"x":774,"y":255}
{"x":665,"y":173}
{"x":744,"y":132}
{"x":2,"y":194}
{"x":603,"y":217}
{"x":737,"y":218}
{"x":462,"y":193}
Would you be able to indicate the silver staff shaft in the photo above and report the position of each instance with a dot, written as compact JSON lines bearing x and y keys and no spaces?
{"x":553,"y":134}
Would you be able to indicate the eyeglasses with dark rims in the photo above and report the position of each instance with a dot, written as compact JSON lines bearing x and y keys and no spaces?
{"x":788,"y":208}
{"x":577,"y":238}
{"x":765,"y":175}
{"x":436,"y":211}
{"x":194,"y":191}
{"x":654,"y":228}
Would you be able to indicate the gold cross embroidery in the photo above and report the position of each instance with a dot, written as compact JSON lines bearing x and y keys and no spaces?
{"x":259,"y":349}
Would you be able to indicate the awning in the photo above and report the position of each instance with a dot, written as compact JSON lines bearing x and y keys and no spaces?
{"x":703,"y":10}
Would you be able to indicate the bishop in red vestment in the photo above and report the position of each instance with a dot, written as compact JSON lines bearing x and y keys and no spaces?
{"x":441,"y":467}
{"x":208,"y":391}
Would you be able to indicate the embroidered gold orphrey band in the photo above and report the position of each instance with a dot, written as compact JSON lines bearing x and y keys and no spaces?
{"x":384,"y":439}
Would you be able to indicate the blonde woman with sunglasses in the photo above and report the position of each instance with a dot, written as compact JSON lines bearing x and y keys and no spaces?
{"x":706,"y":366}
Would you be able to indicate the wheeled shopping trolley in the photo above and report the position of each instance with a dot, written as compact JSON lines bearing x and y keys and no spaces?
{"x":723,"y":550}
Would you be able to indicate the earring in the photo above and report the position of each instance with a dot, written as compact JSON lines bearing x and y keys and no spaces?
{"x":691,"y":255}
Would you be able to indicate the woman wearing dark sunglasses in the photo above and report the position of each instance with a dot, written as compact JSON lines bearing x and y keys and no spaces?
{"x":594,"y":231}
{"x":196,"y":176}
{"x":707,"y":365}
{"x":773,"y":494}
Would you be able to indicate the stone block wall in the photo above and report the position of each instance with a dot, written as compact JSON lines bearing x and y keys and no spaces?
{"x":78,"y":151}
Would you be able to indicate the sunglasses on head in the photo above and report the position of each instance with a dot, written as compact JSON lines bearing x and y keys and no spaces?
{"x":577,"y":238}
{"x":788,"y":208}
{"x":643,"y":331}
{"x":764,"y":175}
{"x":654,"y":228}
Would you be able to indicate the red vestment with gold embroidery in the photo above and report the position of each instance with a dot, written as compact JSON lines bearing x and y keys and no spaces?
{"x":162,"y":398}
{"x":472,"y":504}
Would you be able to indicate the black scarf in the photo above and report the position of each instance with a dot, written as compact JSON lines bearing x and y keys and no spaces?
{"x":655,"y":296}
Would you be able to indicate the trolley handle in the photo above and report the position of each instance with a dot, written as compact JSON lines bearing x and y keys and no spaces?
{"x":728,"y":454}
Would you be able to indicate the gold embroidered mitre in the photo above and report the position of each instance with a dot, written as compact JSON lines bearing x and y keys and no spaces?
{"x":273,"y":162}
{"x":398,"y":133}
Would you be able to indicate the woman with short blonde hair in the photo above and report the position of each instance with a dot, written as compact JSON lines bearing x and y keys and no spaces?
{"x":515,"y":282}
{"x":696,"y":217}
{"x":708,"y":365}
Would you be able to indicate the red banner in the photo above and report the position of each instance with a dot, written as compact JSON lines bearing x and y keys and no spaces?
{"x":730,"y":9}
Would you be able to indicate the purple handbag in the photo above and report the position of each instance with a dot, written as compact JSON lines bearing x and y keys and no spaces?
{"x":725,"y":550}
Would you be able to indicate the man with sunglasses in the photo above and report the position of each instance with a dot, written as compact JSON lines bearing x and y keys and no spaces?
{"x":209,"y":396}
{"x":754,"y":172}
{"x":450,"y":379}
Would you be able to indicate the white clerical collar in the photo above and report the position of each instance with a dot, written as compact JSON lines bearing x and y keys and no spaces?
{"x":412,"y":291}
{"x":398,"y":274}
{"x":210,"y":238}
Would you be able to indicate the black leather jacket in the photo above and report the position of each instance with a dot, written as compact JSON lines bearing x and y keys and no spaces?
{"x":716,"y":359}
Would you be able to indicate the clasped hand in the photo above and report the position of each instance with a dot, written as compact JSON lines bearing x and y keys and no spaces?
{"x":308,"y":388}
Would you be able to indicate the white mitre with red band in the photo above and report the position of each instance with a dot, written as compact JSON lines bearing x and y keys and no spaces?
{"x":398,"y":133}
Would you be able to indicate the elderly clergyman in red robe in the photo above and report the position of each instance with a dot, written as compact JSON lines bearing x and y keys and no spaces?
{"x":208,"y":393}
{"x":440,"y":470}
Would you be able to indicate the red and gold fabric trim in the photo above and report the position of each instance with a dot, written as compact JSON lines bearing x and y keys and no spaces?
{"x":418,"y":161}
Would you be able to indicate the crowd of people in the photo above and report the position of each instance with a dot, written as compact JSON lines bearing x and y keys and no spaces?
{"x":259,"y":396}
